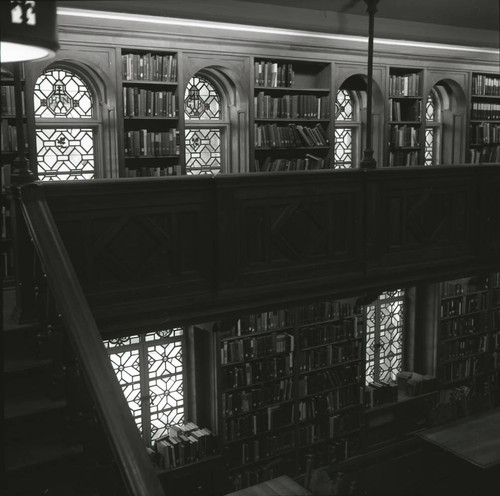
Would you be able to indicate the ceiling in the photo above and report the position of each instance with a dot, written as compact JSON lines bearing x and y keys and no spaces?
{"x":477,"y":14}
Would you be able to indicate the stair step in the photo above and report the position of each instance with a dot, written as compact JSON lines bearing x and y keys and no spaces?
{"x":26,"y":365}
{"x":26,"y":406}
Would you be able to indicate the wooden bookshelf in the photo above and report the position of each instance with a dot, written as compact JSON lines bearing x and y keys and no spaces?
{"x":150,"y":100}
{"x":484,"y":129}
{"x":290,"y":383}
{"x":8,"y":153}
{"x":468,"y":337}
{"x":291,"y":115}
{"x":405,"y":127}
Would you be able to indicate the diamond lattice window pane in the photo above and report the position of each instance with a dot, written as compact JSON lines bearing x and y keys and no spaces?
{"x":344,"y":107}
{"x":65,"y":154}
{"x":201,"y":100}
{"x":61,"y":94}
{"x":343,"y":148}
{"x":203,"y":151}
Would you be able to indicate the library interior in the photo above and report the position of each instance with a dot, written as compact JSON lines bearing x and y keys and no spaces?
{"x":250,"y":247}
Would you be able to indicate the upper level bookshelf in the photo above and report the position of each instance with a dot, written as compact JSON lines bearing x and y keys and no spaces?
{"x":484,"y":130}
{"x":9,"y":133}
{"x":292,"y":112}
{"x":405,"y":126}
{"x":150,"y":99}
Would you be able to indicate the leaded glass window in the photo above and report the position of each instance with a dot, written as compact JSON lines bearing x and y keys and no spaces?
{"x":384,"y":337}
{"x":345,"y":113}
{"x":149,"y":368}
{"x":60,"y":93}
{"x":66,"y":126}
{"x":432,"y":130}
{"x":205,"y":127}
{"x":65,"y":154}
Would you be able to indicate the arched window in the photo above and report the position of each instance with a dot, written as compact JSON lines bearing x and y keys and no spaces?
{"x":384,"y":336}
{"x":66,"y":124}
{"x":207,"y":127}
{"x":347,"y":147}
{"x":432,"y":129}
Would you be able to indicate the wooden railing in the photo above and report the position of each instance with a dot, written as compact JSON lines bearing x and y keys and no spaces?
{"x":129,"y":450}
{"x":165,"y":250}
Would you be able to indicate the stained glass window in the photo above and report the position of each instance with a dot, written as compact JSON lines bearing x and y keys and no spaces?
{"x":344,"y":136}
{"x":65,"y":154}
{"x":203,"y":151}
{"x":429,"y":146}
{"x":384,"y":337}
{"x":62,"y":94}
{"x":201,"y":100}
{"x":65,"y":141}
{"x":431,"y":130}
{"x":203,"y":140}
{"x":149,"y":368}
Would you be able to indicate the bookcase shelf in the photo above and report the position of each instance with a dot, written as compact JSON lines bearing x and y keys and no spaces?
{"x":484,"y":128}
{"x":466,"y":333}
{"x":405,"y":130}
{"x":150,"y":114}
{"x":303,"y":395}
{"x":291,"y":115}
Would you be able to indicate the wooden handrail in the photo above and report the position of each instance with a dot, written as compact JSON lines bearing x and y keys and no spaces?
{"x":137,"y":470}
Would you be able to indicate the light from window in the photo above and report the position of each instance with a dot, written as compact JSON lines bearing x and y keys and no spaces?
{"x":430,"y":115}
{"x":201,"y":100}
{"x":65,"y":154}
{"x":384,"y":337}
{"x":203,"y":151}
{"x":343,"y":150}
{"x":149,"y":368}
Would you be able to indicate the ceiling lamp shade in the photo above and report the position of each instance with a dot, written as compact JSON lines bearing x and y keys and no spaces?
{"x":28,"y":30}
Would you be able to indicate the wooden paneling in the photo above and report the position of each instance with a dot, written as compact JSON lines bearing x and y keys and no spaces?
{"x":180,"y":248}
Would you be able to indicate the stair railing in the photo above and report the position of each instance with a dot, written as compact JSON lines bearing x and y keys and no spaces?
{"x":137,"y":470}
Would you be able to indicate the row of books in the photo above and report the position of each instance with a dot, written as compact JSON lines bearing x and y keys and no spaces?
{"x":452,"y":288}
{"x":485,"y":155}
{"x":414,"y":384}
{"x":246,"y":400}
{"x":262,"y":421}
{"x":259,"y":448}
{"x":185,"y":444}
{"x":404,"y":85}
{"x":463,"y":368}
{"x":250,"y":373}
{"x":289,"y":136}
{"x":379,"y":393}
{"x":466,"y":346}
{"x":350,"y":327}
{"x":400,"y":110}
{"x":255,"y":347}
{"x":149,"y":67}
{"x":282,"y":318}
{"x":328,"y":403}
{"x":463,"y":326}
{"x":273,"y":74}
{"x":309,"y":162}
{"x":326,"y":428}
{"x":139,"y":102}
{"x":8,"y":100}
{"x":403,"y":158}
{"x":460,"y":305}
{"x":329,"y":379}
{"x":335,"y":451}
{"x":148,"y":143}
{"x":8,"y":135}
{"x":329,"y":355}
{"x":485,"y":85}
{"x":291,"y":106}
{"x":485,"y":132}
{"x":487,"y":111}
{"x":404,"y":135}
{"x":164,"y":170}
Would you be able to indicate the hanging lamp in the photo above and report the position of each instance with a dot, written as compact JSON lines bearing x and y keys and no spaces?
{"x":28,"y":30}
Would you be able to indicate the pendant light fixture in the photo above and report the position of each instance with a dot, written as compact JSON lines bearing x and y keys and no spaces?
{"x":28,"y":30}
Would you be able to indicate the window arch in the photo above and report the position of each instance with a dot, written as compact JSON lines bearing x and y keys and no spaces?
{"x":66,"y":121}
{"x":348,"y":123}
{"x":432,"y":151}
{"x":207,"y":127}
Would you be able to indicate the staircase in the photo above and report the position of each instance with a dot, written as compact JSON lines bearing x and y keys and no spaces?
{"x":45,"y":451}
